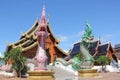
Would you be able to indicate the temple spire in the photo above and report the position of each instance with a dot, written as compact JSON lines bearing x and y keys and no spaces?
{"x":43,"y":22}
{"x":43,"y":11}
{"x":42,"y":35}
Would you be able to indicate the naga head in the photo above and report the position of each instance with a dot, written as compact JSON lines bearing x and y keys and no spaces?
{"x":88,"y":33}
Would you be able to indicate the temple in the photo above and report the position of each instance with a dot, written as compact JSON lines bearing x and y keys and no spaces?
{"x":96,"y":50}
{"x":117,"y":50}
{"x":28,"y":43}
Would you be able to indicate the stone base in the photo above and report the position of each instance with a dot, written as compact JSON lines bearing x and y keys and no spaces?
{"x":87,"y":73}
{"x":41,"y":75}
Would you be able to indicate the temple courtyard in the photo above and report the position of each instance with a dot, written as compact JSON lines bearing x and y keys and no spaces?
{"x":102,"y":76}
{"x":37,"y":56}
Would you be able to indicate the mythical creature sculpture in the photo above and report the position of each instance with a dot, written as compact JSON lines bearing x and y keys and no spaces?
{"x":82,"y":60}
{"x":86,"y":42}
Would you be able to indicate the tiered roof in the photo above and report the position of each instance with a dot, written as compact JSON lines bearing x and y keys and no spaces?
{"x":117,"y":50}
{"x":96,"y":50}
{"x":117,"y":47}
{"x":28,"y":40}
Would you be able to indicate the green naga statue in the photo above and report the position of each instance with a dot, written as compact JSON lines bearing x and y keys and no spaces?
{"x":87,"y":60}
{"x":82,"y":60}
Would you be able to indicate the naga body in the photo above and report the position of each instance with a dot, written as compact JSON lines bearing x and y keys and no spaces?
{"x":86,"y":61}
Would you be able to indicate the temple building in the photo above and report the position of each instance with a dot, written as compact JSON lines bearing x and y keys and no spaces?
{"x":96,"y":50}
{"x":94,"y":47}
{"x":117,"y":51}
{"x":28,"y":43}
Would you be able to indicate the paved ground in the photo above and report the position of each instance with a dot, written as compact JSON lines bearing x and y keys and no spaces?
{"x":102,"y":76}
{"x":61,"y":74}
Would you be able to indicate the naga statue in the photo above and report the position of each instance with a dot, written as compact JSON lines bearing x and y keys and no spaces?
{"x":82,"y":60}
{"x":87,"y":60}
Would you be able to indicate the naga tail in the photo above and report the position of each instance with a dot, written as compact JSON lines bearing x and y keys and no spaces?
{"x":64,"y":62}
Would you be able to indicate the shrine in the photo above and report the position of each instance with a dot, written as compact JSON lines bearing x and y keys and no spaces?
{"x":28,"y":43}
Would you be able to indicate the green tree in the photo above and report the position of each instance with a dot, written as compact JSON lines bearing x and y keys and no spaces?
{"x":6,"y":57}
{"x":103,"y":60}
{"x":18,"y":60}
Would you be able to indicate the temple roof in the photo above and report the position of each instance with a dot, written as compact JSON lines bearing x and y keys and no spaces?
{"x":76,"y":48}
{"x":28,"y":40}
{"x":94,"y":47}
{"x":117,"y":47}
{"x":117,"y":55}
{"x":35,"y":27}
{"x":102,"y":49}
{"x":105,"y":47}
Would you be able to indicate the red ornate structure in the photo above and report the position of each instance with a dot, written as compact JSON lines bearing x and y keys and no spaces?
{"x":42,"y":35}
{"x":28,"y":43}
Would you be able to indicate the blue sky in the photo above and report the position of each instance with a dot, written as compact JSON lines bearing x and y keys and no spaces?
{"x":67,"y":19}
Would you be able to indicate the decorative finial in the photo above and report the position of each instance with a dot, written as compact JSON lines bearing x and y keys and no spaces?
{"x":43,"y":6}
{"x":43,"y":22}
{"x":43,"y":11}
{"x":48,"y":18}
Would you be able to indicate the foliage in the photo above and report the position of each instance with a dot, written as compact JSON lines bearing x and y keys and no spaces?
{"x":79,"y":56}
{"x":103,"y":60}
{"x":18,"y":61}
{"x":6,"y":57}
{"x":0,"y":58}
{"x":24,"y":70}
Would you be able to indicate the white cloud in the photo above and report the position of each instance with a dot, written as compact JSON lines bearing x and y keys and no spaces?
{"x":62,"y":38}
{"x":80,"y":33}
{"x":66,"y":42}
{"x":109,"y":35}
{"x":106,"y":38}
{"x":1,"y":55}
